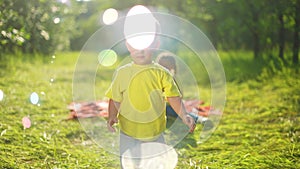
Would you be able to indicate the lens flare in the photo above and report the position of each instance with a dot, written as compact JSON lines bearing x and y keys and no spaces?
{"x":110,"y":16}
{"x":140,"y":27}
{"x":34,"y":98}
{"x":107,"y":57}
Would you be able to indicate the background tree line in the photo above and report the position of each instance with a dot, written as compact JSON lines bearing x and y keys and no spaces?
{"x":270,"y":27}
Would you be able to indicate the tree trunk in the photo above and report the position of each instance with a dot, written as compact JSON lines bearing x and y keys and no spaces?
{"x":256,"y":48}
{"x":281,"y":36}
{"x":255,"y":31}
{"x":296,"y":33}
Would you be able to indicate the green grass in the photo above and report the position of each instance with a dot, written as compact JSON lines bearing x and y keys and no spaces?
{"x":259,"y":128}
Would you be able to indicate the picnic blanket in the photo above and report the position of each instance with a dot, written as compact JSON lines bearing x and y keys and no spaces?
{"x":88,"y":109}
{"x":100,"y":108}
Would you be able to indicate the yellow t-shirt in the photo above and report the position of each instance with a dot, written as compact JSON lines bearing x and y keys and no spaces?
{"x":141,"y":90}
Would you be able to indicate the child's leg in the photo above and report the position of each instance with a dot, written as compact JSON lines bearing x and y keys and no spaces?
{"x":160,"y":139}
{"x":132,"y":145}
{"x":170,"y":111}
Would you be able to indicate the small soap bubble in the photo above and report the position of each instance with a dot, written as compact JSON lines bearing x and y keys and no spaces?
{"x":110,"y":16}
{"x":56,"y":20}
{"x":26,"y":122}
{"x":1,"y":95}
{"x":107,"y":57}
{"x":52,"y":59}
{"x":34,"y":98}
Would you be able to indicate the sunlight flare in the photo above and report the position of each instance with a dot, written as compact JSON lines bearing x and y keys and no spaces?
{"x":140,"y":27}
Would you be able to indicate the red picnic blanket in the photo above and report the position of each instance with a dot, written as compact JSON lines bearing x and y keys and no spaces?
{"x":100,"y":108}
{"x":88,"y":109}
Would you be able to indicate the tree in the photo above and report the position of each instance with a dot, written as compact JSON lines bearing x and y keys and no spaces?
{"x":296,"y":42}
{"x":37,"y":25}
{"x":281,"y":32}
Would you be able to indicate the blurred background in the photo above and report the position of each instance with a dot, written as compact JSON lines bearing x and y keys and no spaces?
{"x":268,"y":27}
{"x":257,"y":42}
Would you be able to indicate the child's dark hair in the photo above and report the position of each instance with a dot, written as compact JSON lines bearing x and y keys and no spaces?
{"x":167,"y":60}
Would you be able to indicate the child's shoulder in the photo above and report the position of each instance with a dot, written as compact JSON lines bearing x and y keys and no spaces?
{"x":161,"y":68}
{"x":124,"y":67}
{"x":157,"y":65}
{"x":132,"y":67}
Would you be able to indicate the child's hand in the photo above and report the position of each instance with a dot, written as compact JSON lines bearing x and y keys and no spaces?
{"x":190,"y":122}
{"x":110,"y":123}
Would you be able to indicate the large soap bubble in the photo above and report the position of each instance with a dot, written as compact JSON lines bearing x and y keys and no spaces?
{"x":196,"y":56}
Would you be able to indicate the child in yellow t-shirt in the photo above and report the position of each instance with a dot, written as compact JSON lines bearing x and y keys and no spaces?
{"x":137,"y":97}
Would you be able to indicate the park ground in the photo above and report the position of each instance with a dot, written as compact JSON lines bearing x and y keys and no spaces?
{"x":259,"y":128}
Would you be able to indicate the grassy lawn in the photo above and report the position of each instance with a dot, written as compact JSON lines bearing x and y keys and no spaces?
{"x":259,"y":129}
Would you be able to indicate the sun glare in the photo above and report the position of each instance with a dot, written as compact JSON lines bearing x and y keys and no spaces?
{"x":139,"y":27}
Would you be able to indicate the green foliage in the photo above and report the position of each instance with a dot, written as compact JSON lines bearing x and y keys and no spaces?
{"x":260,"y":26}
{"x":37,"y":25}
{"x":240,"y":24}
{"x":259,"y":128}
{"x":240,"y":65}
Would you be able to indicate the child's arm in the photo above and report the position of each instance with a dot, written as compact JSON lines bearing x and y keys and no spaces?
{"x":177,"y":104}
{"x":112,"y":114}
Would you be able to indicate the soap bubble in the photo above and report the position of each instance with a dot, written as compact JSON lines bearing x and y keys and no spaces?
{"x":107,"y":57}
{"x":1,"y":95}
{"x":198,"y":62}
{"x":110,"y":16}
{"x":34,"y":98}
{"x":26,"y":122}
